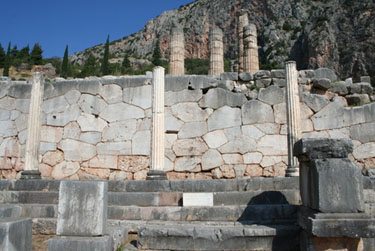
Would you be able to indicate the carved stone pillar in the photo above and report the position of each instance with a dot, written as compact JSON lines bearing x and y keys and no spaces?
{"x":242,"y":22}
{"x":251,"y":58}
{"x":177,"y":57}
{"x":216,"y":52}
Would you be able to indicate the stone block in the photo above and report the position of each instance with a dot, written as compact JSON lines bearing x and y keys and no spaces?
{"x":76,"y":151}
{"x":172,"y":98}
{"x":218,"y":97}
{"x":262,"y":74}
{"x":198,"y":199}
{"x":82,"y":209}
{"x":192,"y":130}
{"x":364,"y":133}
{"x":138,"y":96}
{"x":280,"y":82}
{"x":89,"y":86}
{"x":121,"y":111}
{"x":189,"y":112}
{"x":245,"y":76}
{"x":141,"y":143}
{"x":340,"y":88}
{"x":229,"y":76}
{"x":72,"y":96}
{"x":325,"y":73}
{"x":104,"y":243}
{"x":189,"y":147}
{"x":314,"y":101}
{"x":114,"y":148}
{"x":71,"y":114}
{"x":272,"y":95}
{"x":358,"y":99}
{"x":366,"y":79}
{"x":263,"y":83}
{"x":215,"y":139}
{"x":242,"y":144}
{"x":224,"y":117}
{"x":89,"y":123}
{"x":278,"y":73}
{"x":176,"y":83}
{"x":15,"y":234}
{"x":20,"y":90}
{"x":201,"y":82}
{"x":119,"y":131}
{"x":322,"y":83}
{"x":255,"y":111}
{"x":211,"y":159}
{"x":111,"y":93}
{"x":91,"y":104}
{"x":57,"y":104}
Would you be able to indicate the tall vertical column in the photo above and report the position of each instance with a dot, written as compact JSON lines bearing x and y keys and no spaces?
{"x":177,"y":58}
{"x":31,"y":170}
{"x":293,"y":116}
{"x":242,"y":22}
{"x":216,"y":52}
{"x":157,"y":145}
{"x":251,"y":58}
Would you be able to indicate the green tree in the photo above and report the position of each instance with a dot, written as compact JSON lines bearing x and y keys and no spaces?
{"x":2,"y":56}
{"x":23,"y":56}
{"x":7,"y":62}
{"x":90,"y":68}
{"x":65,"y":71}
{"x":156,"y":55}
{"x":125,"y":66}
{"x":104,"y":69}
{"x":36,"y":57}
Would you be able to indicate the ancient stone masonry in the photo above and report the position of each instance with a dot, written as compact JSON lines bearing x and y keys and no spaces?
{"x":250,"y":58}
{"x":242,"y":22}
{"x":216,"y":52}
{"x":226,"y":126}
{"x":177,"y":57}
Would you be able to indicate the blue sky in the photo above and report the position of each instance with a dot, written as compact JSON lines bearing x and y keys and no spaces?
{"x":77,"y":23}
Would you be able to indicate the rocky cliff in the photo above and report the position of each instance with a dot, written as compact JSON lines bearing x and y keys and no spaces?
{"x":339,"y":34}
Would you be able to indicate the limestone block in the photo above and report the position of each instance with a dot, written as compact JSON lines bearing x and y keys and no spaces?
{"x":215,"y":139}
{"x":144,"y":124}
{"x":192,"y":130}
{"x":262,"y":74}
{"x":270,"y":161}
{"x":172,"y":98}
{"x":279,"y":82}
{"x":306,"y":112}
{"x":8,"y":129}
{"x":114,"y":148}
{"x":103,"y":161}
{"x":72,"y":96}
{"x":8,"y":103}
{"x":322,"y":83}
{"x":366,"y":79}
{"x":141,"y":143}
{"x":46,"y":147}
{"x":254,"y":111}
{"x":172,"y":124}
{"x":126,"y":82}
{"x":53,"y":158}
{"x":61,"y":119}
{"x":21,"y":122}
{"x":82,"y":209}
{"x":168,"y":165}
{"x":364,"y":151}
{"x":169,"y":154}
{"x":325,"y":73}
{"x":23,"y":105}
{"x":14,"y":115}
{"x":218,"y":97}
{"x":9,"y":148}
{"x":358,"y":99}
{"x":189,"y":164}
{"x":141,"y":175}
{"x":16,"y":234}
{"x":253,"y":171}
{"x":241,"y":145}
{"x":121,"y":111}
{"x":366,"y":88}
{"x":89,"y":123}
{"x":170,"y":138}
{"x":91,"y":137}
{"x":233,"y":132}
{"x":111,"y":93}
{"x":64,"y":170}
{"x":245,"y":76}
{"x":307,"y":125}
{"x":211,"y":159}
{"x":339,"y":133}
{"x":354,"y":88}
{"x":369,"y":112}
{"x":201,"y":82}
{"x":330,"y":117}
{"x":340,"y":88}
{"x":119,"y":131}
{"x":252,"y":158}
{"x":228,"y":171}
{"x":91,"y":104}
{"x":189,"y":147}
{"x":55,"y":105}
{"x":51,"y":134}
{"x":229,"y":76}
{"x":269,"y":128}
{"x":224,"y":117}
{"x":76,"y":151}
{"x":272,"y":95}
{"x":198,"y":199}
{"x":121,"y":176}
{"x":216,"y":173}
{"x":240,"y":170}
{"x":133,"y":163}
{"x":280,"y":73}
{"x":263,"y":83}
{"x":273,"y":145}
{"x":176,"y":83}
{"x":364,"y":132}
{"x":306,"y":74}
{"x":232,"y":159}
{"x":314,"y":101}
{"x":138,"y":96}
{"x":280,"y":113}
{"x":89,"y":86}
{"x":80,"y":243}
{"x":189,"y":112}
{"x":72,"y":131}
{"x":353,"y":116}
{"x":226,"y":84}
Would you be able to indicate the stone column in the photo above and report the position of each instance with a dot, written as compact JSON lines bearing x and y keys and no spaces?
{"x":251,"y":58}
{"x":177,"y":58}
{"x":157,"y":145}
{"x":31,"y":170}
{"x":293,"y":116}
{"x":242,"y":22}
{"x":216,"y":52}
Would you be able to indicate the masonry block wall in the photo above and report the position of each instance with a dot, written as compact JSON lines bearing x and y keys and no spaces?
{"x":224,"y":126}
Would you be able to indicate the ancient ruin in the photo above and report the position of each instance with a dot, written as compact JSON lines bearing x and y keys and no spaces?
{"x":216,"y":52}
{"x":177,"y":57}
{"x":243,"y":21}
{"x":250,"y":57}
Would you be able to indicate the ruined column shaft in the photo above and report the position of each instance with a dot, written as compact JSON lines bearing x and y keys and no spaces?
{"x":251,"y":58}
{"x":293,"y":116}
{"x":177,"y":57}
{"x":242,"y":22}
{"x":34,"y":124}
{"x":216,"y":52}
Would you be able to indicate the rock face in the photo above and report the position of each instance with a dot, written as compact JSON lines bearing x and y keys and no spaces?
{"x":333,"y":34}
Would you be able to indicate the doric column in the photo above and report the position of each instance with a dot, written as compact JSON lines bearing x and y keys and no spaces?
{"x":216,"y":52}
{"x":251,"y":59}
{"x":177,"y":58}
{"x":293,"y":116}
{"x":157,"y":145}
{"x":31,"y":170}
{"x":242,"y":22}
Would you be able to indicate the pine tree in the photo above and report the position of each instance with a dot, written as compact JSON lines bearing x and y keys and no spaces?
{"x":126,"y":61}
{"x":156,"y":55}
{"x":90,"y":68}
{"x":105,"y":62}
{"x":7,"y":62}
{"x":36,"y":57}
{"x":2,"y":56}
{"x":65,"y":71}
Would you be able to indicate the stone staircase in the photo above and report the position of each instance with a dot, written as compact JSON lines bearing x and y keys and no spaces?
{"x":247,"y":214}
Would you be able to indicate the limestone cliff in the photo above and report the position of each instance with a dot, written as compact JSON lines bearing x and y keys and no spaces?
{"x":339,"y":34}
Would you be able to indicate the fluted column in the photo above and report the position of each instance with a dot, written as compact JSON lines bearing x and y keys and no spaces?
{"x":242,"y":22}
{"x":31,"y":170}
{"x":216,"y":52}
{"x":157,"y":145}
{"x":293,"y":116}
{"x":177,"y":57}
{"x":251,"y":58}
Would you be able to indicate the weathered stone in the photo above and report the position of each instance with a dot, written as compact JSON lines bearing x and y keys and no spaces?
{"x":103,"y":161}
{"x":269,"y":128}
{"x":215,"y":139}
{"x":189,"y":147}
{"x":91,"y":137}
{"x":172,"y":98}
{"x":120,"y":175}
{"x":23,"y":105}
{"x":72,"y":96}
{"x":72,"y":131}
{"x":263,"y":83}
{"x":76,"y":151}
{"x":64,"y":170}
{"x":279,"y":82}
{"x":278,"y":73}
{"x":14,"y":115}
{"x":358,"y":99}
{"x":189,"y":112}
{"x":91,"y":104}
{"x":325,"y":73}
{"x":340,"y":88}
{"x":89,"y":123}
{"x":270,"y":161}
{"x":16,"y":234}
{"x":322,"y":83}
{"x":46,"y":146}
{"x":119,"y":131}
{"x":229,"y":76}
{"x":121,"y":111}
{"x":366,"y":88}
{"x":364,"y":132}
{"x":126,"y":82}
{"x":262,"y":74}
{"x":80,"y":243}
{"x":169,"y":140}
{"x":330,"y":117}
{"x":366,"y":79}
{"x":172,"y":124}
{"x":256,"y":112}
{"x":53,"y":158}
{"x":9,"y":148}
{"x":114,"y":148}
{"x":272,"y":95}
{"x":226,"y":84}
{"x":252,"y":158}
{"x":232,"y":159}
{"x":354,"y":88}
{"x":21,"y":122}
{"x":253,"y":171}
{"x":187,"y":164}
{"x":228,"y":171}
{"x":51,"y":134}
{"x":82,"y":209}
{"x":314,"y":101}
{"x":7,"y":103}
{"x":192,"y":130}
{"x":364,"y":151}
{"x":273,"y":145}
{"x":7,"y":129}
{"x":280,"y":113}
{"x":176,"y":83}
{"x":201,"y":82}
{"x":239,"y":170}
{"x":224,"y":117}
{"x":61,"y":119}
{"x":252,"y":132}
{"x":219,"y":97}
{"x":55,"y":105}
{"x":141,"y":143}
{"x":138,"y":96}
{"x":211,"y":159}
{"x":233,"y":132}
{"x":245,"y":76}
{"x":241,"y":145}
{"x":111,"y":93}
